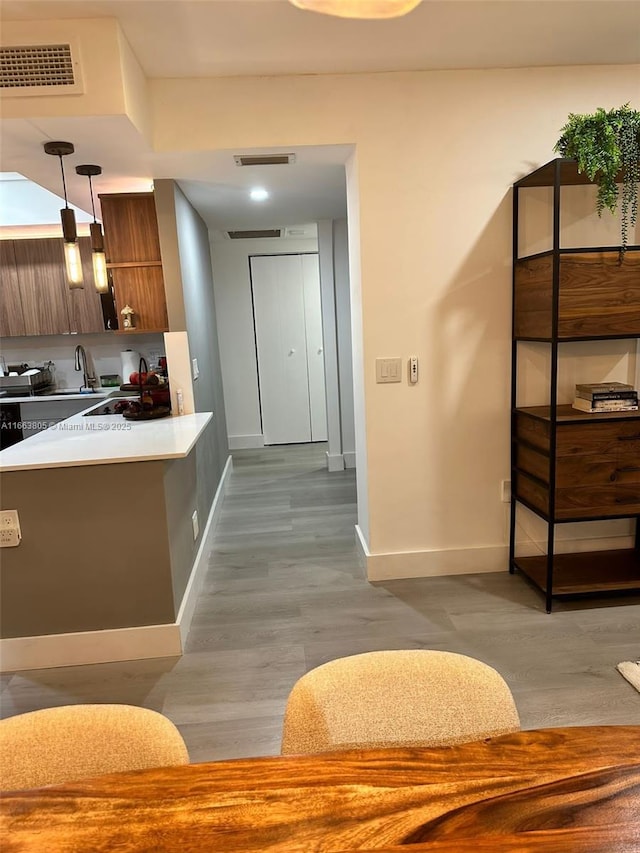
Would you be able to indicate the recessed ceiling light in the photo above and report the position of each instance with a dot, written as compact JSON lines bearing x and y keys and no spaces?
{"x":258,"y":194}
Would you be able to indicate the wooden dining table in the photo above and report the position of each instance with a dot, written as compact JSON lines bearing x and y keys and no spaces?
{"x":570,"y":790}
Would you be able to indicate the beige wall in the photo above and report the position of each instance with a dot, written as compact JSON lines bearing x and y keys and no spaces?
{"x":430,"y":252}
{"x":437,"y":153}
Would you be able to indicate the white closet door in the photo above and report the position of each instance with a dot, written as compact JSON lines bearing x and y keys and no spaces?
{"x":315,"y":347}
{"x":278,"y":300}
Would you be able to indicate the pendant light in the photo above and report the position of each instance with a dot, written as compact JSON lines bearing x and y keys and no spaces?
{"x":71,"y":249}
{"x":100,"y":277}
{"x":358,"y":8}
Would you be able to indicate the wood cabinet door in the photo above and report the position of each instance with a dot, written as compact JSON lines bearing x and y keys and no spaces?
{"x":11,"y":316}
{"x":43,"y":286}
{"x":130,"y":228}
{"x":85,"y":307}
{"x":142,"y":288}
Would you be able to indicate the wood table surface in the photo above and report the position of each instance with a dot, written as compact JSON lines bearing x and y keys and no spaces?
{"x":563,"y":790}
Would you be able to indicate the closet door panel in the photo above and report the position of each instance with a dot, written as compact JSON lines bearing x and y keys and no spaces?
{"x":315,"y":347}
{"x":279,"y":313}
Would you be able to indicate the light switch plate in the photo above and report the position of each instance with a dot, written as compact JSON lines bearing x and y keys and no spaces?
{"x":388,"y":370}
{"x":194,"y":368}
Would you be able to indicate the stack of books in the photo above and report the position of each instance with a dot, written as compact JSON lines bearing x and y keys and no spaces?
{"x":606,"y":397}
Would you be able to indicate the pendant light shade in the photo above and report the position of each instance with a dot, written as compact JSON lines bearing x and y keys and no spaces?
{"x":359,"y":8}
{"x":72,"y":261}
{"x":100,"y":276}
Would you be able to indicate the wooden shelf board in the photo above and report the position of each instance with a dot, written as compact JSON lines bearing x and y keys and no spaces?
{"x":129,"y":264}
{"x":571,"y":339}
{"x":569,"y":175}
{"x":588,"y":572}
{"x":576,"y":250}
{"x":567,"y":414}
{"x":135,"y":331}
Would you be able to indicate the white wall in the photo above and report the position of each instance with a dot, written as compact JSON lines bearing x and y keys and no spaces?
{"x":343,"y":329}
{"x":103,"y":352}
{"x":429,"y":197}
{"x":437,"y":153}
{"x":236,"y":338}
{"x":335,"y":461}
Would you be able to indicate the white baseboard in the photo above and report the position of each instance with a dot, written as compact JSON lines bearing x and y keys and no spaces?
{"x":335,"y":462}
{"x":361,"y":546}
{"x":51,"y":650}
{"x":464,"y":561}
{"x":117,"y":644}
{"x":199,"y":569}
{"x":424,"y":564}
{"x":349,"y":459}
{"x":245,"y":442}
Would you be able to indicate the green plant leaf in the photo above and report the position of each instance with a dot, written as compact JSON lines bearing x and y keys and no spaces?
{"x":604,"y":144}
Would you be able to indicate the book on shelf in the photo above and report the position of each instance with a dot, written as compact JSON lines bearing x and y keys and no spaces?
{"x":605,"y":405}
{"x":602,"y":388}
{"x":607,"y":395}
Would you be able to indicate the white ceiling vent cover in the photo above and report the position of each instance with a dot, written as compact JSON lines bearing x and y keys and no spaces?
{"x":255,"y":235}
{"x":41,"y":69}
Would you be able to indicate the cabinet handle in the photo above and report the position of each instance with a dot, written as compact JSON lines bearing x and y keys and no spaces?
{"x":635,"y":437}
{"x":628,"y":468}
{"x":632,"y":499}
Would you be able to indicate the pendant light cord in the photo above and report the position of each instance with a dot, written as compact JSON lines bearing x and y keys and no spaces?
{"x":93,"y":206}
{"x":64,"y":183}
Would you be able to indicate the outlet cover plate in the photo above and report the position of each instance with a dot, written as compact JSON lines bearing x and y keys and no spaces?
{"x":10,"y":534}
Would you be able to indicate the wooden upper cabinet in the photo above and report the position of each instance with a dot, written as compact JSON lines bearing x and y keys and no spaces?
{"x":142,"y":288}
{"x":11,"y":316}
{"x":43,"y":286}
{"x":85,"y":307}
{"x":132,"y":247}
{"x":130,"y":228}
{"x":35,"y":298}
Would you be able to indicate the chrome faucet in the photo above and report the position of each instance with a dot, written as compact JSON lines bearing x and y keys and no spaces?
{"x":81,"y":364}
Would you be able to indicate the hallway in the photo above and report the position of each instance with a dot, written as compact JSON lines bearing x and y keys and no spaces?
{"x":285,"y":593}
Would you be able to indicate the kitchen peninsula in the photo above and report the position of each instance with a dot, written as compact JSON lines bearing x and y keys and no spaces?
{"x":109,"y":543}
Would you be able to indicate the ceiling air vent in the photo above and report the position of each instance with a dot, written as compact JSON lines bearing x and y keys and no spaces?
{"x":43,"y":69}
{"x":252,"y":235}
{"x":264,"y":159}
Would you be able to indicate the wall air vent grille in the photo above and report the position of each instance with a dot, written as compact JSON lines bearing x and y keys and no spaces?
{"x":264,"y":159}
{"x":38,"y":69}
{"x":253,"y":235}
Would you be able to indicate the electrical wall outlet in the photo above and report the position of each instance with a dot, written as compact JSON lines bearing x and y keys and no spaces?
{"x":196,"y":526}
{"x":505,"y":491}
{"x":10,"y":534}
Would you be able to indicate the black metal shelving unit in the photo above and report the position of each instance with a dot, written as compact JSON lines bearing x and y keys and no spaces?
{"x":535,"y":430}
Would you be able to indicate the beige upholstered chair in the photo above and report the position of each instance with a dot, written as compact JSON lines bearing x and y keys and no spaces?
{"x":56,"y":745}
{"x":397,"y":698}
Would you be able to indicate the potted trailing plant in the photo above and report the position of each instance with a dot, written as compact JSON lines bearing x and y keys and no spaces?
{"x":605,"y":144}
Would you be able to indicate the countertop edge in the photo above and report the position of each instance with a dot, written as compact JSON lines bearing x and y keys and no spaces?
{"x":148,"y":455}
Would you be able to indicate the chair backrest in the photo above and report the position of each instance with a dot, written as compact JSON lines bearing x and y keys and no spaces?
{"x":73,"y":742}
{"x":415,"y":697}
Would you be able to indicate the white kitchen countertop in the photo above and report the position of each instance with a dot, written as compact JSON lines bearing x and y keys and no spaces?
{"x":104,"y":440}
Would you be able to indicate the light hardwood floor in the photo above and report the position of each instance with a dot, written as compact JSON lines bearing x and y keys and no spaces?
{"x":285,"y":593}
